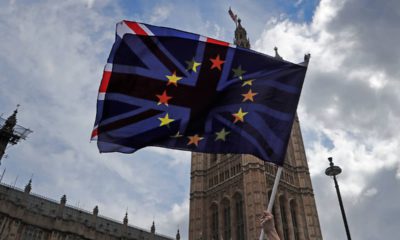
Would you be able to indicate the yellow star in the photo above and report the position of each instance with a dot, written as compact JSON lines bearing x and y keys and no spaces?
{"x":238,"y":72}
{"x":165,"y":120}
{"x":221,"y":135}
{"x":239,"y":116}
{"x":192,"y":65}
{"x":173,"y":79}
{"x":249,"y":96}
{"x":195,"y":139}
{"x":248,"y":82}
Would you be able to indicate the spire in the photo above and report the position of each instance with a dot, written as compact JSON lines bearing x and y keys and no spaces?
{"x":240,"y":33}
{"x":307,"y":58}
{"x":11,"y":120}
{"x":96,"y":210}
{"x":178,"y":235}
{"x":126,"y":218}
{"x":153,"y":228}
{"x":9,"y":133}
{"x":277,"y":56}
{"x":28,"y":186}
{"x":63,"y":199}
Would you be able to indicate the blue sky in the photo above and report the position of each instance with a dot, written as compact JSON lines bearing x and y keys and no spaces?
{"x":51,"y":58}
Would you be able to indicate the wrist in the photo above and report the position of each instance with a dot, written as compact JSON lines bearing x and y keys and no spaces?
{"x":272,"y":234}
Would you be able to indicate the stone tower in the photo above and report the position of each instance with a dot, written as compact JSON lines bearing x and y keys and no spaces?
{"x":10,"y":132}
{"x":7,"y":132}
{"x":229,"y":192}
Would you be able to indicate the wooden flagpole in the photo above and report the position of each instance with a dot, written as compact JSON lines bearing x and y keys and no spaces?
{"x":272,"y":198}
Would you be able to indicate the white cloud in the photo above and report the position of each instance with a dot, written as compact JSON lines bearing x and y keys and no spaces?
{"x":90,"y":3}
{"x":51,"y":65}
{"x":371,"y":192}
{"x":349,"y":97}
{"x":160,"y":13}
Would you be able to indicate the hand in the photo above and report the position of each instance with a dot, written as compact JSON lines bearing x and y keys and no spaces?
{"x":267,"y":222}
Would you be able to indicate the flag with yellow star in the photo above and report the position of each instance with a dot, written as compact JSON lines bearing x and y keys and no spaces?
{"x":168,"y":88}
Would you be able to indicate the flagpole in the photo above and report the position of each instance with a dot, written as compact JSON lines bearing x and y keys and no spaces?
{"x":272,"y":198}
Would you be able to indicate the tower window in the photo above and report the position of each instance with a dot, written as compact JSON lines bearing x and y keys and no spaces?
{"x":294,"y":221}
{"x":284,"y":219}
{"x":227,"y":220}
{"x":214,"y":222}
{"x":239,"y":217}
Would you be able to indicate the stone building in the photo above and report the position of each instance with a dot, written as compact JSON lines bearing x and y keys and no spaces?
{"x":27,"y":216}
{"x":229,"y":192}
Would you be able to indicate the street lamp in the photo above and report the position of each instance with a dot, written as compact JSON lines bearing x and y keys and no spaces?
{"x":332,"y":171}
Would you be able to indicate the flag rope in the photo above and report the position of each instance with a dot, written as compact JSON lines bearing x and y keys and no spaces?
{"x":272,"y":198}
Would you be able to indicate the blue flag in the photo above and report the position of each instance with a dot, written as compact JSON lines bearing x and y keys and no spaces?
{"x":168,"y":88}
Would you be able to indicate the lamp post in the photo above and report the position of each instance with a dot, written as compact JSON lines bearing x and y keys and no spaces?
{"x":332,"y":171}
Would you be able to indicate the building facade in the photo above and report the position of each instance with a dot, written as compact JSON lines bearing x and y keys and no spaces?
{"x":229,"y":192}
{"x":27,"y":216}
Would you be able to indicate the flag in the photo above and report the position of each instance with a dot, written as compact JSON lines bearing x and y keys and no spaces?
{"x":169,"y":88}
{"x":233,"y":16}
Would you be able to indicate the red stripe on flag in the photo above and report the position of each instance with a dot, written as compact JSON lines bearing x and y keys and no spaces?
{"x":136,"y":28}
{"x":215,"y":41}
{"x":94,"y":133}
{"x":105,"y":81}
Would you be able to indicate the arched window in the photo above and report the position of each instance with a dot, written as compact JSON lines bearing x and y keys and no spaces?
{"x":239,"y":217}
{"x":214,"y":222}
{"x":293,"y":212}
{"x":283,"y":217}
{"x":227,"y":219}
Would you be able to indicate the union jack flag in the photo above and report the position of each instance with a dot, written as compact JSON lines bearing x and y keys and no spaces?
{"x":169,"y":88}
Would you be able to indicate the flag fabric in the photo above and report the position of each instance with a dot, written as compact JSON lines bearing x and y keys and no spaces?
{"x":169,"y":88}
{"x":233,"y":16}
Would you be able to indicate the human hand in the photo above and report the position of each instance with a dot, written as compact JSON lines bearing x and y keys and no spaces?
{"x":267,"y":222}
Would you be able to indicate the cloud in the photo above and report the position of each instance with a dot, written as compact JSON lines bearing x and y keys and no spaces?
{"x":50,"y":58}
{"x":371,"y":192}
{"x":160,"y":13}
{"x":349,"y":107}
{"x":52,"y":66}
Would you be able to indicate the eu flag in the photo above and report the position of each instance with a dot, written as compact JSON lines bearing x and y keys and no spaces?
{"x":168,"y":88}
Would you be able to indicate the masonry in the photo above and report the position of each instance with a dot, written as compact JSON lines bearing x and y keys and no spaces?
{"x":27,"y":216}
{"x":228,"y":193}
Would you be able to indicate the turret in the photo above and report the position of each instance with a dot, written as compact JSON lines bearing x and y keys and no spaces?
{"x":28,"y":187}
{"x":153,"y":228}
{"x":61,"y":207}
{"x":10,"y":132}
{"x":7,"y":132}
{"x":241,"y":38}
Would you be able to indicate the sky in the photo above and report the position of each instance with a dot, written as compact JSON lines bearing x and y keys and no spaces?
{"x":52,"y":55}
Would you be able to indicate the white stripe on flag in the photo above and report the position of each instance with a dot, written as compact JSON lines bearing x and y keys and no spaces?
{"x":123,"y":29}
{"x":108,"y":67}
{"x":146,"y":29}
{"x":101,"y":96}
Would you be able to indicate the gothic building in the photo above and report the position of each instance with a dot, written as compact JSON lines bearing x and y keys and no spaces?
{"x":229,"y":192}
{"x":27,"y":216}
